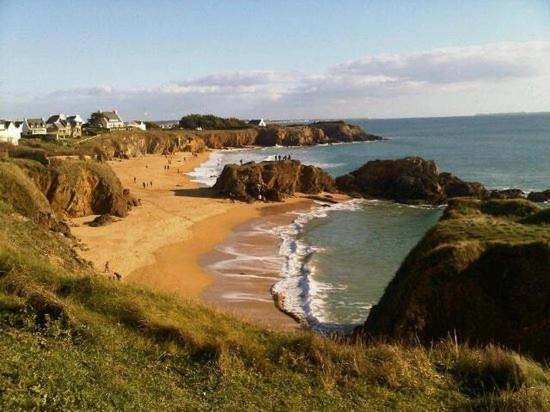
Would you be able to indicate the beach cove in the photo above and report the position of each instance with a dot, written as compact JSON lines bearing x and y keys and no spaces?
{"x":165,"y":243}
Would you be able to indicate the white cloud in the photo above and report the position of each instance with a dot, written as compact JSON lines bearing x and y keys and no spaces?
{"x":451,"y":79}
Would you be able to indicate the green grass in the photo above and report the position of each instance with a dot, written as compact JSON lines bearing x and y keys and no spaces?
{"x":72,"y":340}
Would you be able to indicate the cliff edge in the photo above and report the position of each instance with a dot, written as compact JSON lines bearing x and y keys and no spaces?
{"x":482,"y":274}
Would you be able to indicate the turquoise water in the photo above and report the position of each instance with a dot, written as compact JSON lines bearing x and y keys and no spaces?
{"x":342,"y":259}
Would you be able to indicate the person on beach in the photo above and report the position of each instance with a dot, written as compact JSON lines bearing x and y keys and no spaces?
{"x":106,"y":269}
{"x":241,"y":161}
{"x":151,"y":184}
{"x":134,"y":179}
{"x":144,"y":185}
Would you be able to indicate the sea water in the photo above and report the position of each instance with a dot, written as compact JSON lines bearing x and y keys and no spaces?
{"x":338,"y":260}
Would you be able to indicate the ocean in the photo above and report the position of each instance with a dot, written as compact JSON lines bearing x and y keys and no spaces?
{"x":336,"y":262}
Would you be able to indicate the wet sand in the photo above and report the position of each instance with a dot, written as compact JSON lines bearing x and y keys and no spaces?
{"x":246,"y":264}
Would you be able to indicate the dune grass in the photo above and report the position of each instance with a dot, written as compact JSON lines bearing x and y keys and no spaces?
{"x":71,"y":339}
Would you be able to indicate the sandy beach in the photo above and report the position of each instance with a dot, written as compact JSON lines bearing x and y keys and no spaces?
{"x":161,"y":243}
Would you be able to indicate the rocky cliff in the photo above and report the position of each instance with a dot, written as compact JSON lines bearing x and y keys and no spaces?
{"x":221,"y":139}
{"x":482,"y":274}
{"x":272,"y":180}
{"x":77,"y":188}
{"x":127,"y":144}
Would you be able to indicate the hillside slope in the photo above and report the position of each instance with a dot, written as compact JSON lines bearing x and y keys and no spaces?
{"x":73,"y":340}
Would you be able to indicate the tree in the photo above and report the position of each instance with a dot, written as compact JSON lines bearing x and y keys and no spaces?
{"x":95,"y":119}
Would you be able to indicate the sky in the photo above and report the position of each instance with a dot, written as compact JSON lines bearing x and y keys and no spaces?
{"x":159,"y":60}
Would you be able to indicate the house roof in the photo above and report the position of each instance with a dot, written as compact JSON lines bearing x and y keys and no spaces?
{"x":55,"y":118}
{"x":255,"y":121}
{"x":35,"y":122}
{"x":75,"y":119}
{"x":112,"y":116}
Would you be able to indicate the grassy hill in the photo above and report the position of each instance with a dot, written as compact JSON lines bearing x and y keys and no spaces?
{"x":71,"y":339}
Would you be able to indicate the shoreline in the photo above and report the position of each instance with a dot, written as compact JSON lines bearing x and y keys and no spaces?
{"x":160,"y":244}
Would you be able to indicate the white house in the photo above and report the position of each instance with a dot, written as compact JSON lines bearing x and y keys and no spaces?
{"x":136,"y":124}
{"x":34,"y":127}
{"x":258,"y":122}
{"x":111,"y":120}
{"x":10,"y":131}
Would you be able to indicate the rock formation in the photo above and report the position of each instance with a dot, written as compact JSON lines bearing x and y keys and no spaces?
{"x":411,"y":180}
{"x":481,"y":274}
{"x":311,"y":134}
{"x":543,"y":196}
{"x":76,"y":188}
{"x":272,"y":180}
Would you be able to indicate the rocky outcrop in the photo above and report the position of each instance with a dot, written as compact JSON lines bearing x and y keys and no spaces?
{"x":312,"y":134}
{"x":411,"y":180}
{"x":481,"y":274}
{"x":408,"y":180}
{"x":272,"y":180}
{"x":342,"y":132}
{"x":543,"y":196}
{"x":76,"y":188}
{"x":507,"y":194}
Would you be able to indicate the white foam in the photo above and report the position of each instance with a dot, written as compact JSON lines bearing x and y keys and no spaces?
{"x":304,"y":296}
{"x":207,"y":173}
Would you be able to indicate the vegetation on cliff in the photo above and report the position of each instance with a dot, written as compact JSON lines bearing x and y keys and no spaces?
{"x":273,"y":180}
{"x":73,"y":340}
{"x":481,"y":274}
{"x":210,"y":122}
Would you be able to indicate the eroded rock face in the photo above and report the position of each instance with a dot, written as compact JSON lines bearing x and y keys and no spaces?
{"x":76,"y":188}
{"x":125,"y":145}
{"x":273,"y":180}
{"x":480,"y":275}
{"x":411,"y":180}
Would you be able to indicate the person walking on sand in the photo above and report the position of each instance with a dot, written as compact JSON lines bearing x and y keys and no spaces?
{"x":144,"y":185}
{"x":106,"y":269}
{"x":151,"y":184}
{"x":134,"y":179}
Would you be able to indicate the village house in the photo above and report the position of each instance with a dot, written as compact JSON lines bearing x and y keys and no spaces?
{"x":61,"y":126}
{"x":10,"y":131}
{"x":258,"y":122}
{"x":136,"y":124}
{"x":34,"y":127}
{"x":111,"y":120}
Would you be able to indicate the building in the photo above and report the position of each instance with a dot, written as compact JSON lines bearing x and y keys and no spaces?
{"x":258,"y":122}
{"x":61,"y":126}
{"x":10,"y":131}
{"x":76,"y":125}
{"x":34,"y":127}
{"x":111,"y":120}
{"x":136,"y":124}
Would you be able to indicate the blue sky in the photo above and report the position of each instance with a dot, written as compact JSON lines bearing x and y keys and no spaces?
{"x":287,"y":59}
